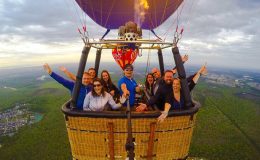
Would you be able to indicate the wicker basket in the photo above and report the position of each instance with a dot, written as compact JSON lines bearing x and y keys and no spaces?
{"x":96,"y":135}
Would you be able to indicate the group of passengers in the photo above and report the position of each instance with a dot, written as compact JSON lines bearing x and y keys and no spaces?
{"x":99,"y":94}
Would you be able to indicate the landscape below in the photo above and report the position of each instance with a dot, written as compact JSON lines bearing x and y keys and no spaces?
{"x":227,"y":124}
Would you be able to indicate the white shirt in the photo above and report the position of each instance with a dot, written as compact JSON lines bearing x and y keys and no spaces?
{"x":98,"y":103}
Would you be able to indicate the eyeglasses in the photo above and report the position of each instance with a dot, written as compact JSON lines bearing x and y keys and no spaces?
{"x":154,"y":73}
{"x":96,"y":85}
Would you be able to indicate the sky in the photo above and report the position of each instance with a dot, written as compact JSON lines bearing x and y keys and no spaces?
{"x":223,"y":33}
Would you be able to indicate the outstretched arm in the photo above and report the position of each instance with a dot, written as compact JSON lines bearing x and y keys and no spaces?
{"x":66,"y":83}
{"x":68,"y":73}
{"x":124,"y":90}
{"x":113,"y":103}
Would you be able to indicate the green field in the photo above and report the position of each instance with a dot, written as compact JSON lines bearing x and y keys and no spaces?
{"x":227,"y":126}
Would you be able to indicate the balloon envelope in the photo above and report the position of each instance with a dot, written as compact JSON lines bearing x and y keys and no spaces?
{"x":112,"y":14}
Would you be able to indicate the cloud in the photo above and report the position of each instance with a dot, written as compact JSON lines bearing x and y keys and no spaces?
{"x":220,"y":32}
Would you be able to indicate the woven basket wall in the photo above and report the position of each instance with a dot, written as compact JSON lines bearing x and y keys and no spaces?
{"x":90,"y":138}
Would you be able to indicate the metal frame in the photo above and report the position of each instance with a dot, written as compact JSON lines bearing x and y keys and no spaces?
{"x":97,"y":61}
{"x":117,"y":43}
{"x":78,"y":83}
{"x":160,"y":58}
{"x":141,"y":43}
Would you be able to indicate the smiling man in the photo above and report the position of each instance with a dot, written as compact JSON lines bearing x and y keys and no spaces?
{"x":84,"y":89}
{"x":127,"y":85}
{"x":159,"y":98}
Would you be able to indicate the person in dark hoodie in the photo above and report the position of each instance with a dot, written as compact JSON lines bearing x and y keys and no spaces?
{"x":85,"y":88}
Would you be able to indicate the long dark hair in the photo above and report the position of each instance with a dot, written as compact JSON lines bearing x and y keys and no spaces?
{"x":109,"y":82}
{"x":94,"y":94}
{"x":147,"y":86}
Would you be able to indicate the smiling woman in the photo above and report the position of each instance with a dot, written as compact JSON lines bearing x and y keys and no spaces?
{"x":98,"y":99}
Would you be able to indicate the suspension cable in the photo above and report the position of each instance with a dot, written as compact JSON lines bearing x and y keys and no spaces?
{"x":178,"y":18}
{"x":172,"y":24}
{"x":74,"y":18}
{"x":77,"y":13}
{"x":148,"y":59}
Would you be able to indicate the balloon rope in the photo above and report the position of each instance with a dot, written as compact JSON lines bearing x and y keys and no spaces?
{"x":83,"y":16}
{"x":73,"y":16}
{"x":90,"y":2}
{"x":148,"y":62}
{"x":77,"y":19}
{"x":148,"y":59}
{"x":151,"y":21}
{"x":188,"y":17}
{"x":76,"y":11}
{"x":162,"y":18}
{"x":180,"y":12}
{"x":155,"y":34}
{"x":174,"y":21}
{"x":110,"y":11}
{"x":155,"y":14}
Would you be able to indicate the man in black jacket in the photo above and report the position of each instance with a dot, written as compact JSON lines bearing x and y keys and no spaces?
{"x":159,"y":98}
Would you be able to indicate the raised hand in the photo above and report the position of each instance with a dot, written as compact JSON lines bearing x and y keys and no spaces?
{"x":174,"y":71}
{"x":63,"y":69}
{"x":47,"y":68}
{"x":184,"y":58}
{"x":203,"y":70}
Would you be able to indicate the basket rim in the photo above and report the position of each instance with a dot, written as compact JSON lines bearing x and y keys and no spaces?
{"x":122,"y":114}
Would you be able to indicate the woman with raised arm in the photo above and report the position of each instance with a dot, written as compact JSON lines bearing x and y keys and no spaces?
{"x":98,"y":98}
{"x":174,"y":100}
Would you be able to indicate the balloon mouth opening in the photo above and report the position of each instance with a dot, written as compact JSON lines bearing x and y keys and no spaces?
{"x":130,"y":31}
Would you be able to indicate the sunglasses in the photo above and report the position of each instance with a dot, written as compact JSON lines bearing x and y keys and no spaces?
{"x":128,"y":70}
{"x":96,"y":85}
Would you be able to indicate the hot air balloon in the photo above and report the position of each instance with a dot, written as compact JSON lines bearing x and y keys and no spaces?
{"x":121,"y":135}
{"x":148,"y":14}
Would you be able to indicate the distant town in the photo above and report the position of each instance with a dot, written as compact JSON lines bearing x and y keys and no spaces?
{"x":18,"y":116}
{"x":232,"y":81}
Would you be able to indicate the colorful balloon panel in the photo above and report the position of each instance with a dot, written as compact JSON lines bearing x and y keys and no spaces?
{"x":124,"y":56}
